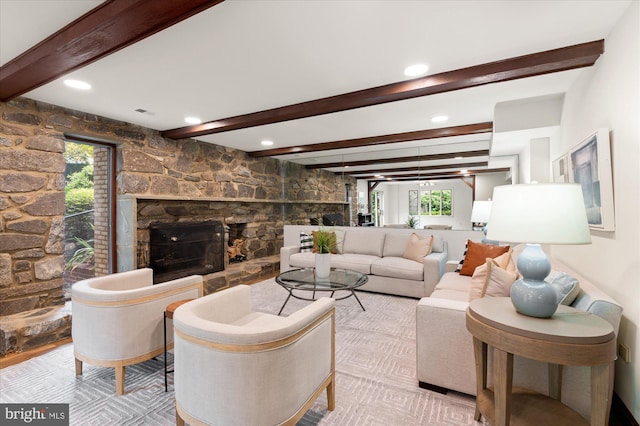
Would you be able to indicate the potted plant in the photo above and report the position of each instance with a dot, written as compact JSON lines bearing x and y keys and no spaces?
{"x":323,"y":243}
{"x":412,"y":222}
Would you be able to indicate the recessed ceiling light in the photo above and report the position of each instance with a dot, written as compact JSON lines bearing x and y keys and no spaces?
{"x":77,"y":84}
{"x":416,"y":70}
{"x":267,"y":142}
{"x":458,"y":158}
{"x":464,"y":171}
{"x":192,"y":120}
{"x":439,"y":118}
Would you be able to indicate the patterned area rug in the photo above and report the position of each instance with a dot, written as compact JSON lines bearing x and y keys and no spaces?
{"x":375,"y":379}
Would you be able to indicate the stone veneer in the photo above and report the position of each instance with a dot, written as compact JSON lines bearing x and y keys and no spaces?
{"x":266,"y":191}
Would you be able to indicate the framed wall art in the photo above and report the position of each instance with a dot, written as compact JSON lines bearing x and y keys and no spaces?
{"x":590,"y":166}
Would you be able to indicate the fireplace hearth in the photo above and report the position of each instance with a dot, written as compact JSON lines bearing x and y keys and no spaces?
{"x":180,"y":249}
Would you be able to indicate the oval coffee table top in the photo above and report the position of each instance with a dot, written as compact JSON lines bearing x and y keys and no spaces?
{"x":305,"y":279}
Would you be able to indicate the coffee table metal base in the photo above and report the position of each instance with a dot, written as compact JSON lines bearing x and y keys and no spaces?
{"x":312,"y":298}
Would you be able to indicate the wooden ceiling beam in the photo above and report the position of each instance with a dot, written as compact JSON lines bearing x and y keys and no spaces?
{"x":438,"y":176}
{"x":364,"y":174}
{"x":550,"y":61}
{"x":430,"y":157}
{"x":107,"y":28}
{"x":443,"y":132}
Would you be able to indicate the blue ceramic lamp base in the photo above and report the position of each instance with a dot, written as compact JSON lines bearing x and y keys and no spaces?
{"x":531,"y":295}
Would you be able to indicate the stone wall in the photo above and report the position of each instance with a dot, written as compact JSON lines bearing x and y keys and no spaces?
{"x":32,"y":136}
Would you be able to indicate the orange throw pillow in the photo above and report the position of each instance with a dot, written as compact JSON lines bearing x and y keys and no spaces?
{"x":477,"y":254}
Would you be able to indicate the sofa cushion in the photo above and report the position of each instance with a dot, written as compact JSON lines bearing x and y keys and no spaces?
{"x":398,"y":267}
{"x":450,"y":294}
{"x":356,"y":262}
{"x":371,"y":243}
{"x":394,"y":244}
{"x":303,"y":260}
{"x":454,"y":281}
{"x":417,"y":248}
{"x":565,"y":286}
{"x":477,"y":254}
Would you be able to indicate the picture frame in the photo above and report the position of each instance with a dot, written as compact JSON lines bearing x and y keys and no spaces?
{"x":590,"y":166}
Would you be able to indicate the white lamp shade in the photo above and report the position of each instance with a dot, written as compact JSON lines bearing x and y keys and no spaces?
{"x":539,"y":214}
{"x":480,"y":211}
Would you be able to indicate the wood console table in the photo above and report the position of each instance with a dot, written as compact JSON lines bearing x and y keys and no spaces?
{"x":570,"y":337}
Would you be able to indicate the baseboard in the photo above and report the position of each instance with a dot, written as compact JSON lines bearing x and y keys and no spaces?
{"x":620,"y":414}
{"x":434,"y":388}
{"x":17,"y":358}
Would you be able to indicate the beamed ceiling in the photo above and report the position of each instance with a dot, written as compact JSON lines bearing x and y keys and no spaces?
{"x":322,"y":80}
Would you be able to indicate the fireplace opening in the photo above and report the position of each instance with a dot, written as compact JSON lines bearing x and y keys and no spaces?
{"x":180,"y":249}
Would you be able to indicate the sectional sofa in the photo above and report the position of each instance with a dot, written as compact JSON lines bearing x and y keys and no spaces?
{"x":445,"y":359}
{"x":377,"y":252}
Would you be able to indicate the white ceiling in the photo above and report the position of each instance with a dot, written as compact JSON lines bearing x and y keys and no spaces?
{"x":245,"y":56}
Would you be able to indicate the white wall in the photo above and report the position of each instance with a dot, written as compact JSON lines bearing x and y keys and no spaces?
{"x":487,"y":181}
{"x":608,"y":95}
{"x":396,"y":203}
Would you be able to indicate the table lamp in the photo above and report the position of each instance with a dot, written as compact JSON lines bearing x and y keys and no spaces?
{"x":537,"y":214}
{"x":480,"y":214}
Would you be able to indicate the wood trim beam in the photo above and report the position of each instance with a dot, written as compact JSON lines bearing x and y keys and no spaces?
{"x":443,"y":132}
{"x":430,"y":176}
{"x":430,"y":157}
{"x":550,"y":61}
{"x":109,"y":27}
{"x":423,"y":169}
{"x":422,"y":172}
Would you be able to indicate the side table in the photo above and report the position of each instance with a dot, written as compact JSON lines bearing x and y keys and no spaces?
{"x":168,"y":314}
{"x":569,"y":337}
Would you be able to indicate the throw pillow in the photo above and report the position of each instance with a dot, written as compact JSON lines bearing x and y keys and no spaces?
{"x":306,"y":242}
{"x":565,"y":286}
{"x":477,"y":253}
{"x":491,"y":280}
{"x":416,"y":248}
{"x":499,"y":280}
{"x":464,"y":254}
{"x":479,"y":277}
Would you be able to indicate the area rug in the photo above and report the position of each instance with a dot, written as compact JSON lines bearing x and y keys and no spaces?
{"x":375,"y":374}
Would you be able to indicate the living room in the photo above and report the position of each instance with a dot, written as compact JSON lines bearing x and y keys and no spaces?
{"x":155,"y":172}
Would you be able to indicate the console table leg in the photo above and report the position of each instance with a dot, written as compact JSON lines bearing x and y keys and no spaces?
{"x":502,"y":385}
{"x":601,"y":393}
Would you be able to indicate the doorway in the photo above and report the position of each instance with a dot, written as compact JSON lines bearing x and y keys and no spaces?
{"x":89,"y":209}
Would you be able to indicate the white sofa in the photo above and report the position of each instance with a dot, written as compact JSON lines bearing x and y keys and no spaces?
{"x":378,"y":252}
{"x":444,"y":352}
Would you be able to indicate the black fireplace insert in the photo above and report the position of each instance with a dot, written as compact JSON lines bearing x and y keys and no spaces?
{"x":185,"y":248}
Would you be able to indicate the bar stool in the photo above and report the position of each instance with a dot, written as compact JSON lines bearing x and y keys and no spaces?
{"x":168,"y":314}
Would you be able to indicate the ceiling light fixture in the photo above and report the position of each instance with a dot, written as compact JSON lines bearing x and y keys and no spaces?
{"x":439,"y":118}
{"x":192,"y":120}
{"x":77,"y":84}
{"x":266,"y":142}
{"x":416,"y":70}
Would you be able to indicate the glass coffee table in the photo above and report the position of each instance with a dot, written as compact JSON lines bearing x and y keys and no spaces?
{"x":305,"y":280}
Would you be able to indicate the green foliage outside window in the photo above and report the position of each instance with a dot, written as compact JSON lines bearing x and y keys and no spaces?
{"x":436,"y":203}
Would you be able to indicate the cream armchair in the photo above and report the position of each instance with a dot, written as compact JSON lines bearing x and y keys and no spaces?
{"x":117,"y":319}
{"x":238,"y":367}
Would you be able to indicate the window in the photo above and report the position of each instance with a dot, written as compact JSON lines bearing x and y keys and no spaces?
{"x":436,"y":202}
